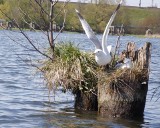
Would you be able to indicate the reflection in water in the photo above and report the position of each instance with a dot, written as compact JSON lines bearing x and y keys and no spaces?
{"x":73,"y":118}
{"x":24,"y":100}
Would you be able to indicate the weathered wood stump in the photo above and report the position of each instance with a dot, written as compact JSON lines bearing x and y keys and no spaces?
{"x":123,"y":93}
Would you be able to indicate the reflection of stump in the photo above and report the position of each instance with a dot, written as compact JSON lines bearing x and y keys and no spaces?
{"x":124,"y":92}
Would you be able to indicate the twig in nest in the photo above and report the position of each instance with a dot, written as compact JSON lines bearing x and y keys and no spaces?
{"x":118,"y":43}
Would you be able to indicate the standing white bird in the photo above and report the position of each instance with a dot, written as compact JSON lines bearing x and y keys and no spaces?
{"x":102,"y":51}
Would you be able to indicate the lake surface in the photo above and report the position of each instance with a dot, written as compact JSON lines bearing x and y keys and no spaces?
{"x":25,"y":102}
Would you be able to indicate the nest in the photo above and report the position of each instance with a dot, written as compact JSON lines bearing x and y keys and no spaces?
{"x":124,"y":84}
{"x":77,"y":70}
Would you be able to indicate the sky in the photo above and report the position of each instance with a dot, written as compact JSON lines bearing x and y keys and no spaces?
{"x":144,"y":3}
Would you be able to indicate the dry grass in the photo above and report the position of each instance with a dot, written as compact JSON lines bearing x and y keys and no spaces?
{"x":124,"y":83}
{"x":71,"y":69}
{"x":76,"y":70}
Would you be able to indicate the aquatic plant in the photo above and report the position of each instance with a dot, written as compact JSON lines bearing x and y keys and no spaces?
{"x":71,"y":68}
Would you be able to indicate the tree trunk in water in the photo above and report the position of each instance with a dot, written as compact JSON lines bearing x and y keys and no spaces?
{"x":86,"y":101}
{"x":124,"y":94}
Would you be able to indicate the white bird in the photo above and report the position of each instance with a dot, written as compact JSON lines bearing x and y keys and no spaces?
{"x":102,"y":51}
{"x":127,"y":63}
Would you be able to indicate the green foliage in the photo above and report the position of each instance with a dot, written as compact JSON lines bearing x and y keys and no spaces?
{"x":97,"y":15}
{"x":1,"y":1}
{"x":71,"y":69}
{"x":143,"y":18}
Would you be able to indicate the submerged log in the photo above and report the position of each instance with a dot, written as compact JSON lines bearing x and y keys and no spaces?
{"x":123,"y":93}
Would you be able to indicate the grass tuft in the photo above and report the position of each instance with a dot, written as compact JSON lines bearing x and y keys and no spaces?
{"x":71,"y":69}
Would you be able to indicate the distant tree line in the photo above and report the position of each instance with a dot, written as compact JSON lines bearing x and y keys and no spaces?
{"x":1,"y":2}
{"x":135,"y":20}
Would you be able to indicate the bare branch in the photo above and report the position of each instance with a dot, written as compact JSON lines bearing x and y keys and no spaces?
{"x":51,"y":39}
{"x":64,"y":20}
{"x":118,"y":40}
{"x":39,"y":4}
{"x":31,"y":43}
{"x":54,"y":2}
{"x":20,"y":9}
{"x":29,"y":64}
{"x":42,"y":17}
{"x":51,"y":17}
{"x":117,"y":44}
{"x":23,"y":46}
{"x":62,"y":8}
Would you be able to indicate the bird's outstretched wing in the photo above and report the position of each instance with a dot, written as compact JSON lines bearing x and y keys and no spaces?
{"x":106,"y":31}
{"x":89,"y":32}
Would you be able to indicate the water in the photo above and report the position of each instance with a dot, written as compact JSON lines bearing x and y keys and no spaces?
{"x":24,"y":100}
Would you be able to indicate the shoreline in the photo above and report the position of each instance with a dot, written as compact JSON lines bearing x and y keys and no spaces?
{"x":140,"y":36}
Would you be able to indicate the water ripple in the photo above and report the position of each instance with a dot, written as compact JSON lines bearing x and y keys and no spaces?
{"x":24,"y":100}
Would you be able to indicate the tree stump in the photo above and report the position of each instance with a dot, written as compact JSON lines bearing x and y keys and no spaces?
{"x":123,"y":93}
{"x":86,"y":101}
